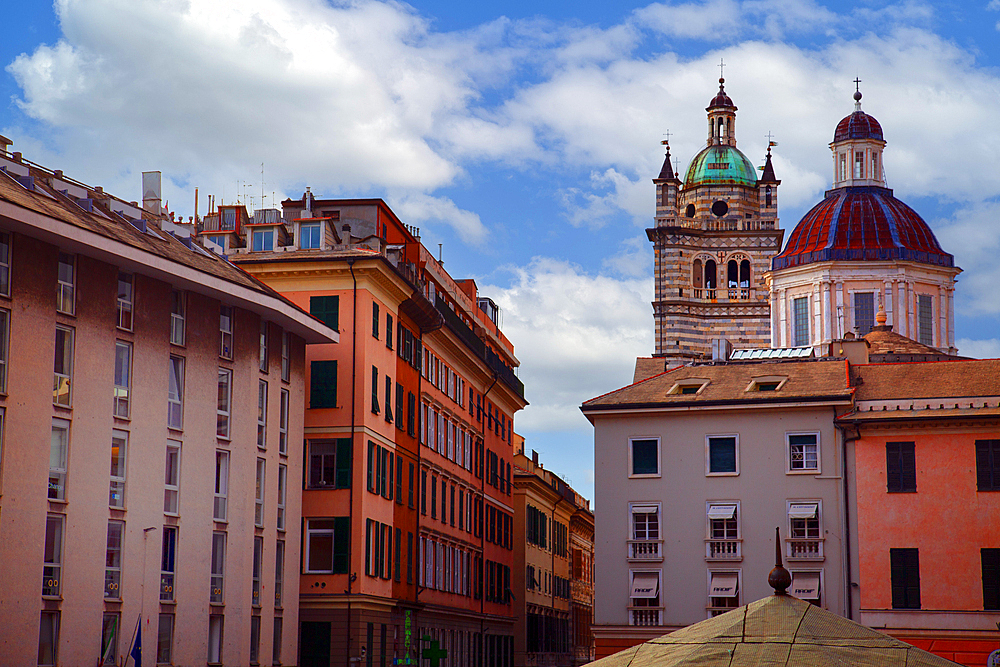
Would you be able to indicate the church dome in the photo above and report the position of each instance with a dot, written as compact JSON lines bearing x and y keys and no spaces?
{"x":858,"y":125}
{"x":861,"y":223}
{"x":720,"y":164}
{"x":721,"y":99}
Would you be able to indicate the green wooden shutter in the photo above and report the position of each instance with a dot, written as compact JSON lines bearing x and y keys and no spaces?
{"x":342,"y":475}
{"x":341,"y":544}
{"x":326,"y":309}
{"x":323,"y":384}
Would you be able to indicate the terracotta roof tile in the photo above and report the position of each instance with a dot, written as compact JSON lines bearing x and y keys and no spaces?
{"x":927,"y":379}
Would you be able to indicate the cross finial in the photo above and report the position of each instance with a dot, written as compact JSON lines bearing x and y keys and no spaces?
{"x":722,"y":64}
{"x":857,"y":85}
{"x":666,"y":142}
{"x":769,"y":137}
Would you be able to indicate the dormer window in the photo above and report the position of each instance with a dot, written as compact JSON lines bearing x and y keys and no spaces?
{"x":263,"y":240}
{"x":769,"y":383}
{"x":688,"y":387}
{"x":310,"y":236}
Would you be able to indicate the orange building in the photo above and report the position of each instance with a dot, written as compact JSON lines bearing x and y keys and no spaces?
{"x":151,"y":399}
{"x":407,"y":511}
{"x":926,"y":443}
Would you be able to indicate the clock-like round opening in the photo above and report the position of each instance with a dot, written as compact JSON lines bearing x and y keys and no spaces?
{"x":720,"y":208}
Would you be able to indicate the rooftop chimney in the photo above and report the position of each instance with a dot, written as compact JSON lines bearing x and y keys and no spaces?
{"x":151,"y":191}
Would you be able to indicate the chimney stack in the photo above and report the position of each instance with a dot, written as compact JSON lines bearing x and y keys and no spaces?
{"x":151,"y":191}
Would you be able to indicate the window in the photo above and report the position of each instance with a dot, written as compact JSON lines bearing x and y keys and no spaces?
{"x":168,"y":563}
{"x":226,"y":332}
{"x":175,"y":393}
{"x":279,"y":572}
{"x":258,"y":563}
{"x":219,"y":511}
{"x":806,"y":586}
{"x":63,"y":366}
{"x":65,"y":284}
{"x":410,"y":491}
{"x":48,"y":638}
{"x":4,"y":340}
{"x":224,"y":405}
{"x":58,"y":459}
{"x":988,"y":465}
{"x":172,"y":478}
{"x":119,"y":447}
{"x":388,"y":399}
{"x":262,"y":414}
{"x":258,"y":512}
{"x":905,"y":577}
{"x":864,"y":312}
{"x":217,"y":588}
{"x":4,"y":264}
{"x":286,"y":357}
{"x":375,"y":405}
{"x":123,"y":373}
{"x":113,"y":561}
{"x":283,"y":422}
{"x":330,"y":463}
{"x":800,"y":321}
{"x":803,"y":452}
{"x":645,"y":522}
{"x":276,"y":642}
{"x":215,"y":627}
{"x":165,"y":639}
{"x":309,"y":236}
{"x":263,"y":346}
{"x":644,"y":593}
{"x":901,"y":467}
{"x":722,"y":522}
{"x":644,"y":457}
{"x":55,"y":525}
{"x":723,"y":458}
{"x":723,"y":592}
{"x":326,"y":545}
{"x":263,"y":240}
{"x":859,"y":164}
{"x":326,"y":309}
{"x":925,"y":319}
{"x":177,"y":308}
{"x":255,"y":640}
{"x":375,"y":320}
{"x":843,"y":167}
{"x":991,"y":578}
{"x":282,"y":493}
{"x":323,"y":384}
{"x":125,"y":300}
{"x":109,"y":638}
{"x":388,"y":331}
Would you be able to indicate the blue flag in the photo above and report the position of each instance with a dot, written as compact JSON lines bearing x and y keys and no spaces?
{"x":136,"y":652}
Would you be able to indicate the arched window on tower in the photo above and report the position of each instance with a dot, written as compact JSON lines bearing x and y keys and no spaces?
{"x":697,"y":276}
{"x":711,"y":126}
{"x":745,"y":279}
{"x":710,"y":272}
{"x":732,"y":274}
{"x":859,"y":164}
{"x":767,"y":196}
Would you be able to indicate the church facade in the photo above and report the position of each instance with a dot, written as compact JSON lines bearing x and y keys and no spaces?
{"x":713,"y":241}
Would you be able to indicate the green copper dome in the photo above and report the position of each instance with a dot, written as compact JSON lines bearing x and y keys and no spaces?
{"x":720,"y":164}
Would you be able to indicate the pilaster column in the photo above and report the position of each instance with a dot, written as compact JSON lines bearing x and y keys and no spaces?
{"x":899,"y":321}
{"x":827,"y":333}
{"x":817,"y":315}
{"x":782,"y":318}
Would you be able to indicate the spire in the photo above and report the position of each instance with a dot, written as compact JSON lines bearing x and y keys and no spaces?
{"x":857,"y":94}
{"x":667,"y":170}
{"x":767,"y":175}
{"x":780,"y":578}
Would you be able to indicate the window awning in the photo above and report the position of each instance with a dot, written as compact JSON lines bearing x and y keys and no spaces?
{"x":644,"y":509}
{"x":723,"y":585}
{"x":803,"y":510}
{"x":645,"y":585}
{"x":805,"y":585}
{"x":722,"y":511}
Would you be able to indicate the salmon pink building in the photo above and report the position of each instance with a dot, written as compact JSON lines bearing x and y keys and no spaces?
{"x":151,"y":401}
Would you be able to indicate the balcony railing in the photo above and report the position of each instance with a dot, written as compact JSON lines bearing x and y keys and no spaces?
{"x":799,"y":548}
{"x":740,"y":293}
{"x":644,"y":616}
{"x":645,"y":550}
{"x":723,"y":550}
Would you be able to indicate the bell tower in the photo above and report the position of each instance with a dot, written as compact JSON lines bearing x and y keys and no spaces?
{"x":715,"y":234}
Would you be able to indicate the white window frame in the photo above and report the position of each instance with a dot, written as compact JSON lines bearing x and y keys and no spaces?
{"x":282,"y":495}
{"x":171,"y":486}
{"x":632,"y":507}
{"x":178,"y":308}
{"x":258,"y":511}
{"x":789,"y":468}
{"x":310,"y":533}
{"x":227,"y":315}
{"x":224,"y":405}
{"x":217,"y":587}
{"x":822,"y":583}
{"x":286,"y":357}
{"x":257,"y":570}
{"x":175,"y":395}
{"x":929,"y":338}
{"x":60,"y":471}
{"x":736,"y":517}
{"x":52,"y":569}
{"x":113,"y":561}
{"x":167,"y":576}
{"x":279,"y":572}
{"x":220,"y":510}
{"x":123,"y":379}
{"x":283,"y":408}
{"x":66,"y":289}
{"x":708,"y":585}
{"x":261,"y":238}
{"x":819,"y":518}
{"x":659,"y":459}
{"x":708,"y":455}
{"x":264,"y":344}
{"x":794,"y":326}
{"x":126,"y":300}
{"x":305,"y":227}
{"x":216,"y":630}
{"x":262,"y":414}
{"x":116,"y":494}
{"x":62,"y":383}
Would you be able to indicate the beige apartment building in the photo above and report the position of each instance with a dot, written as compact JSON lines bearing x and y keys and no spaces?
{"x":151,"y":403}
{"x":698,"y":466}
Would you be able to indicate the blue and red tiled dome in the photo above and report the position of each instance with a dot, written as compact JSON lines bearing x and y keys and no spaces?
{"x":721,"y":99}
{"x":858,"y":125}
{"x":861,"y":223}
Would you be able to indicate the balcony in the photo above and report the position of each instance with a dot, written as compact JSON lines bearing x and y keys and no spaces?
{"x":740,"y":293}
{"x":644,"y":616}
{"x":723,"y":550}
{"x":803,"y":548}
{"x":645,"y":550}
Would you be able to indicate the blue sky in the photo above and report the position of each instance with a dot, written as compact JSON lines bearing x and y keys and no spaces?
{"x":521,"y":136}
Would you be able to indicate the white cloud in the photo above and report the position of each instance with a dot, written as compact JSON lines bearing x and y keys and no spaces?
{"x":420,"y":208}
{"x":979,"y":349}
{"x":577,"y":336}
{"x":634,"y":258}
{"x":972,"y":234}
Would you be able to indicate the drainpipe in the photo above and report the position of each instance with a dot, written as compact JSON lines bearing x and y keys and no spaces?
{"x":350,"y":496}
{"x":847,"y":511}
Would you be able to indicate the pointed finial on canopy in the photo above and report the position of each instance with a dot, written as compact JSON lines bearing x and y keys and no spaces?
{"x":779,"y":579}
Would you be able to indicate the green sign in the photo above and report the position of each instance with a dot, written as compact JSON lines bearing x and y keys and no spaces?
{"x":434,"y":653}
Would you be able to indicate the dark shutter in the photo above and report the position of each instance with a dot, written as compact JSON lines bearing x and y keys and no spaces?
{"x":901,"y":467}
{"x":326,"y":309}
{"x":991,"y":578}
{"x":399,"y":407}
{"x":371,"y":466}
{"x":892,"y":467}
{"x":323,"y":384}
{"x":341,"y":544}
{"x":905,"y":578}
{"x":988,"y":465}
{"x":343,"y":471}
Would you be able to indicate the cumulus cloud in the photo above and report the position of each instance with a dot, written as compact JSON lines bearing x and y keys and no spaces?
{"x":577,"y":335}
{"x":420,"y":208}
{"x":979,"y":349}
{"x":972,"y":234}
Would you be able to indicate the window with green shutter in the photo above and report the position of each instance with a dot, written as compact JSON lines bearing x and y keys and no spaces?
{"x":326,"y":309}
{"x":343,"y":474}
{"x":323,"y":384}
{"x":341,"y":544}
